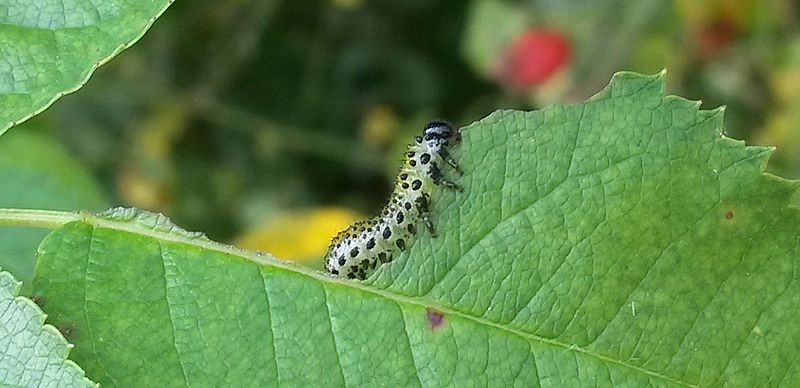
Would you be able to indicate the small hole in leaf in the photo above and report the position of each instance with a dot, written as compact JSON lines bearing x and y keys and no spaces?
{"x":435,"y":318}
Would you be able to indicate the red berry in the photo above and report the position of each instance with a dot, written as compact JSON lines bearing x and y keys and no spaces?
{"x":534,"y":57}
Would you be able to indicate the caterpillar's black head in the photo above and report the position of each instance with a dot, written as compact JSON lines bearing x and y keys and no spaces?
{"x":440,"y":132}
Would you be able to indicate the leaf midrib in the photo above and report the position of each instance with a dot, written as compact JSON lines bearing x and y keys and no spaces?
{"x":269,"y":260}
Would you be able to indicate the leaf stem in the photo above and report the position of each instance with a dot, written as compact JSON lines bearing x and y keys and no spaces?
{"x":35,"y":218}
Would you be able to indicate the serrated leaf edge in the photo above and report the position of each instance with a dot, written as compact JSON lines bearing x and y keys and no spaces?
{"x":14,"y":122}
{"x":49,"y":332}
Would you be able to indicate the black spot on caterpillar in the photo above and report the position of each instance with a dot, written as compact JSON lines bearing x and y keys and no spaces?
{"x":374,"y":241}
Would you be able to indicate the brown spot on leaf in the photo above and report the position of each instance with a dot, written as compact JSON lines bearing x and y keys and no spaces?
{"x":39,"y":299}
{"x":729,"y":214}
{"x":68,"y":331}
{"x":435,"y":318}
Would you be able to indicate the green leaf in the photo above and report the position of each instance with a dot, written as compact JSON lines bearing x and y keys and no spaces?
{"x":50,"y":48}
{"x":37,"y":173}
{"x":619,"y":241}
{"x":32,"y":354}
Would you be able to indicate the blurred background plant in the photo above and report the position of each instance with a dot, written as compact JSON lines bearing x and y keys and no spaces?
{"x":273,"y":124}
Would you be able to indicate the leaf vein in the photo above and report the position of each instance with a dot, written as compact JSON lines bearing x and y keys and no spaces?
{"x":333,"y":334}
{"x":169,"y":313}
{"x":408,"y":342}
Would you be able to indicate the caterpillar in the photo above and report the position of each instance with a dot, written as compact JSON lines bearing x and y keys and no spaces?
{"x":356,"y":251}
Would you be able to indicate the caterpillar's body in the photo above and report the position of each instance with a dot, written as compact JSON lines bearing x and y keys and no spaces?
{"x":358,"y":250}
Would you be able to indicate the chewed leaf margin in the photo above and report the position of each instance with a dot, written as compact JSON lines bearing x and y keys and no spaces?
{"x":153,"y":221}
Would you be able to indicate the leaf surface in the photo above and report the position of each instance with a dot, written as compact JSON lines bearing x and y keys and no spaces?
{"x":32,"y":354}
{"x":51,"y":47}
{"x":618,"y":241}
{"x":37,"y":173}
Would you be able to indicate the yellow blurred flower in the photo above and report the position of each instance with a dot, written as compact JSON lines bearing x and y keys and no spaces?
{"x":379,"y":125}
{"x":300,"y":235}
{"x":348,"y":4}
{"x":147,"y":179}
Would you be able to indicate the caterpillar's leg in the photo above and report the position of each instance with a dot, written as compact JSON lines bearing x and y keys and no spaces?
{"x":436,"y":176}
{"x":444,"y":154}
{"x":423,"y":207}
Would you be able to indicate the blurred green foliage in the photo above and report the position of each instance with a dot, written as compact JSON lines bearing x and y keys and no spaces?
{"x":37,"y":173}
{"x":228,"y":113}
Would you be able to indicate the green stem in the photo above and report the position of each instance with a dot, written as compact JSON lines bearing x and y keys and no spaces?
{"x":50,"y":219}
